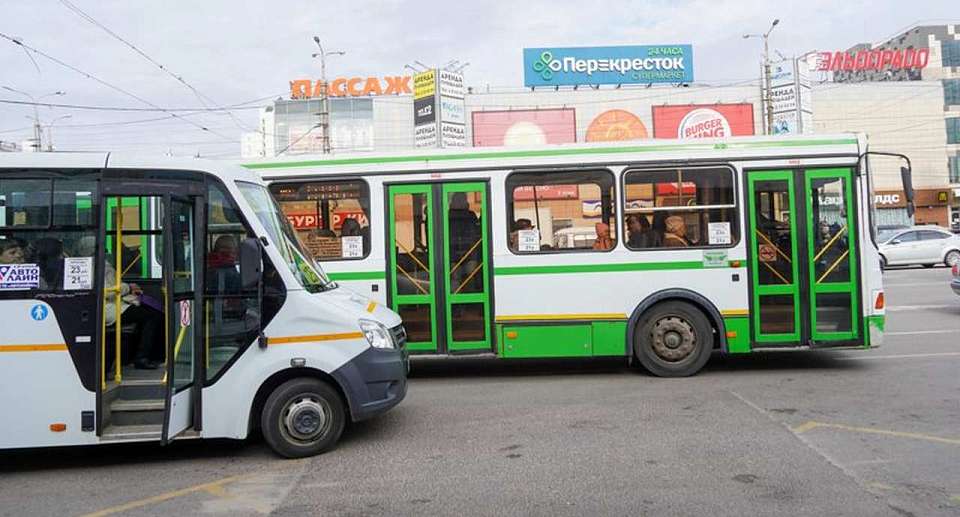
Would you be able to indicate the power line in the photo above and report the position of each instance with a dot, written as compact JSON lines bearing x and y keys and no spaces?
{"x":200,"y":96}
{"x":154,"y":109}
{"x":108,"y":85}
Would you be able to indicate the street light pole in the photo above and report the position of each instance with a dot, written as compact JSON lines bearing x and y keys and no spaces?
{"x":37,"y":145}
{"x":50,"y":131}
{"x":324,"y":114}
{"x":766,"y":86}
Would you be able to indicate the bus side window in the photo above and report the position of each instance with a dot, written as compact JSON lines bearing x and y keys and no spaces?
{"x":331,"y":218}
{"x":689,"y":207}
{"x":566,"y":211}
{"x":233,"y":317}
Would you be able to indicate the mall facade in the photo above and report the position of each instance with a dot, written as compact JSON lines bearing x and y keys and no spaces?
{"x":904,"y":93}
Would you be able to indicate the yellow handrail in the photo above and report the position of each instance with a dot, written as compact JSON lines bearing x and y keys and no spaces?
{"x":834,"y":266}
{"x":176,"y":350}
{"x":464,"y":257}
{"x":469,"y":277}
{"x":830,"y":243}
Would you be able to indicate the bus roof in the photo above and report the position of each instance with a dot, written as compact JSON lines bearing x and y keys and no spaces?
{"x":848,"y":144}
{"x":55,"y":160}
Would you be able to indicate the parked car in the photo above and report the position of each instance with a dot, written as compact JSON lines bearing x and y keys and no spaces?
{"x":955,"y":283}
{"x":926,"y":245}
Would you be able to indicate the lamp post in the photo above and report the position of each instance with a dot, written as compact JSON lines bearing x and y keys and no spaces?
{"x":324,"y":114}
{"x":50,"y":130}
{"x":767,"y":98}
{"x":37,"y":146}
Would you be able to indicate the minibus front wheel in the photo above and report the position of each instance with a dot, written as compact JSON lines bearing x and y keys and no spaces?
{"x":673,"y":339}
{"x":303,"y":417}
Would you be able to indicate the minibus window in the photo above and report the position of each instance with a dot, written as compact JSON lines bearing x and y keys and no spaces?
{"x":298,"y":259}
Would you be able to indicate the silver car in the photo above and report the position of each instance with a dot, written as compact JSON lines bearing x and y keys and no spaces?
{"x":926,"y":245}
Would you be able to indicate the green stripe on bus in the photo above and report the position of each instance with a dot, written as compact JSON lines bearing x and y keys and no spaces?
{"x":597,"y":268}
{"x":358,"y":275}
{"x":551,"y":152}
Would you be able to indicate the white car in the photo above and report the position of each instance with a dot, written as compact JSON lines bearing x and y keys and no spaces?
{"x":926,"y":245}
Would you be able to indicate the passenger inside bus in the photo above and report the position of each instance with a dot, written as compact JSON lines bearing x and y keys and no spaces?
{"x":11,"y":251}
{"x":676,"y":233}
{"x":603,"y":241}
{"x":518,"y":226}
{"x":47,"y":253}
{"x":640,"y":233}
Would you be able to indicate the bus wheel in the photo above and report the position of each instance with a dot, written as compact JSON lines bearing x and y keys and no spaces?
{"x":673,"y":339}
{"x":302,"y":417}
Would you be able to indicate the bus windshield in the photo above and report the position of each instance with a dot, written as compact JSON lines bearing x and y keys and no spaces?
{"x":301,"y":263}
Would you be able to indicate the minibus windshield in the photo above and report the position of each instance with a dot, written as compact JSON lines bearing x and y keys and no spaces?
{"x":301,"y":263}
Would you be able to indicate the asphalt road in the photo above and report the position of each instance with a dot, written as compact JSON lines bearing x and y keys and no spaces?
{"x":801,"y":433}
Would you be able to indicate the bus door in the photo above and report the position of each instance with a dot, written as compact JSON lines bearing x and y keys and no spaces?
{"x":803,"y":268}
{"x":180,"y":284}
{"x":439,"y":265}
{"x":152,"y":239}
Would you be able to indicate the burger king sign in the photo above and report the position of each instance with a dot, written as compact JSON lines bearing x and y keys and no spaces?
{"x":703,"y":121}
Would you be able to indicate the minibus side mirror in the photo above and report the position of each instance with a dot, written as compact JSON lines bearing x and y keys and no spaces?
{"x":251,"y":264}
{"x":906,"y":177}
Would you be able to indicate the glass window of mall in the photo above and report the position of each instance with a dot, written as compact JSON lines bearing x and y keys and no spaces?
{"x":951,"y":91}
{"x":331,"y":218}
{"x":951,"y":52}
{"x":687,"y":207}
{"x":552,"y":212}
{"x":953,"y":130}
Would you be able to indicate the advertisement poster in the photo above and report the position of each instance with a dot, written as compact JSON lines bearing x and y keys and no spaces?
{"x":77,"y":273}
{"x":524,"y":127}
{"x":616,"y":125}
{"x":703,"y":120}
{"x":425,"y":109}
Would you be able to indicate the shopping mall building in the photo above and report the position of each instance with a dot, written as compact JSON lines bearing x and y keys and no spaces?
{"x":904,"y":93}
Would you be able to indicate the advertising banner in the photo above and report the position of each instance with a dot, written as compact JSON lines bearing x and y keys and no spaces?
{"x":451,"y":84}
{"x":616,"y":125}
{"x":424,"y":111}
{"x":524,"y":127}
{"x":424,"y":84}
{"x":703,"y":120}
{"x":633,"y":64}
{"x":453,"y":131}
{"x":791,"y":96}
{"x":425,"y":136}
{"x":452,"y":135}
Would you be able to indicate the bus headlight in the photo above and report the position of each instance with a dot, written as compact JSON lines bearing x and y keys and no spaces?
{"x":376,"y":334}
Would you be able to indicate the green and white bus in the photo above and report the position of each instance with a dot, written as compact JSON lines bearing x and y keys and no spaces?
{"x":659,"y":251}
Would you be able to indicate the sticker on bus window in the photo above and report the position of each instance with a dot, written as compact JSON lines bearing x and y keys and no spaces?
{"x":767,"y":253}
{"x":719,"y":233}
{"x":352,"y":246}
{"x":77,"y":273}
{"x":19,"y":277}
{"x":528,"y":240}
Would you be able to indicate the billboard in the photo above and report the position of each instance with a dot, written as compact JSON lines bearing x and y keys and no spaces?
{"x":626,"y":64}
{"x":351,"y":87}
{"x":615,"y":125}
{"x":791,"y":96}
{"x":703,"y":120}
{"x":425,"y":109}
{"x":439,"y":114}
{"x":524,"y":127}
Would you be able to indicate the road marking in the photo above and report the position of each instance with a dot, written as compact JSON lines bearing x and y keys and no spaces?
{"x":916,"y":332}
{"x":921,"y":307}
{"x":915,"y":284}
{"x":811,"y":425}
{"x":899,"y":356}
{"x":214,"y":488}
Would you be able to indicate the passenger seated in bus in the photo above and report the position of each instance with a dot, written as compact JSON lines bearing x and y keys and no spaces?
{"x":676,"y":233}
{"x":641,"y":234}
{"x":11,"y":251}
{"x":47,"y":254}
{"x":603,"y":241}
{"x":148,"y":320}
{"x":518,"y":226}
{"x":659,"y":228}
{"x":464,"y":234}
{"x":222,"y":264}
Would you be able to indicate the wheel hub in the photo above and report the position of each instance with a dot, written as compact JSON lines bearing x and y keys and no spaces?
{"x":673,"y":339}
{"x":304,"y":419}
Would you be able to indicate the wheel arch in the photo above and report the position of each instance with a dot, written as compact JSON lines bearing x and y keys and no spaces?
{"x":677,"y":294}
{"x":278,"y":378}
{"x":947,"y":251}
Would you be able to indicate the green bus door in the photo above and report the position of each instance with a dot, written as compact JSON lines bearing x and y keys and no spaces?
{"x":803,"y":258}
{"x":438,"y":265}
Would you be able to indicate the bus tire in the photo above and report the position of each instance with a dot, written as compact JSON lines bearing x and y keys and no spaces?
{"x":673,"y":339}
{"x":303,"y":417}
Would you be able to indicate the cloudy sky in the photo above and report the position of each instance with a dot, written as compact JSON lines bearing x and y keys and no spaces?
{"x":235,"y":52}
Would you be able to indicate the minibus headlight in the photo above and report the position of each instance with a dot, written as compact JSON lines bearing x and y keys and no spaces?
{"x":377,"y":335}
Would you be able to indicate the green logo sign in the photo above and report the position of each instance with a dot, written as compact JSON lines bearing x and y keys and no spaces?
{"x":542,"y":66}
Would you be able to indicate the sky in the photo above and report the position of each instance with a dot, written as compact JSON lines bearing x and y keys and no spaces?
{"x":244,"y":53}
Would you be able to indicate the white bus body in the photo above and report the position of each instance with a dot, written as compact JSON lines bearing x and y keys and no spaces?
{"x":251,"y":333}
{"x":543,"y":302}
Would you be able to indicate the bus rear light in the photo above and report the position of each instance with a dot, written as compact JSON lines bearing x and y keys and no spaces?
{"x":734,"y":263}
{"x":731,"y":334}
{"x":58,"y":427}
{"x":880,"y":303}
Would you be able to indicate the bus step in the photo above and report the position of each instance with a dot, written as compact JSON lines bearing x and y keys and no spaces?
{"x":136,"y":412}
{"x":142,"y":389}
{"x":132,"y":432}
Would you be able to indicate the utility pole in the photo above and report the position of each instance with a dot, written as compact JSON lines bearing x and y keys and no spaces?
{"x":37,"y":145}
{"x":766,"y":86}
{"x":324,"y":114}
